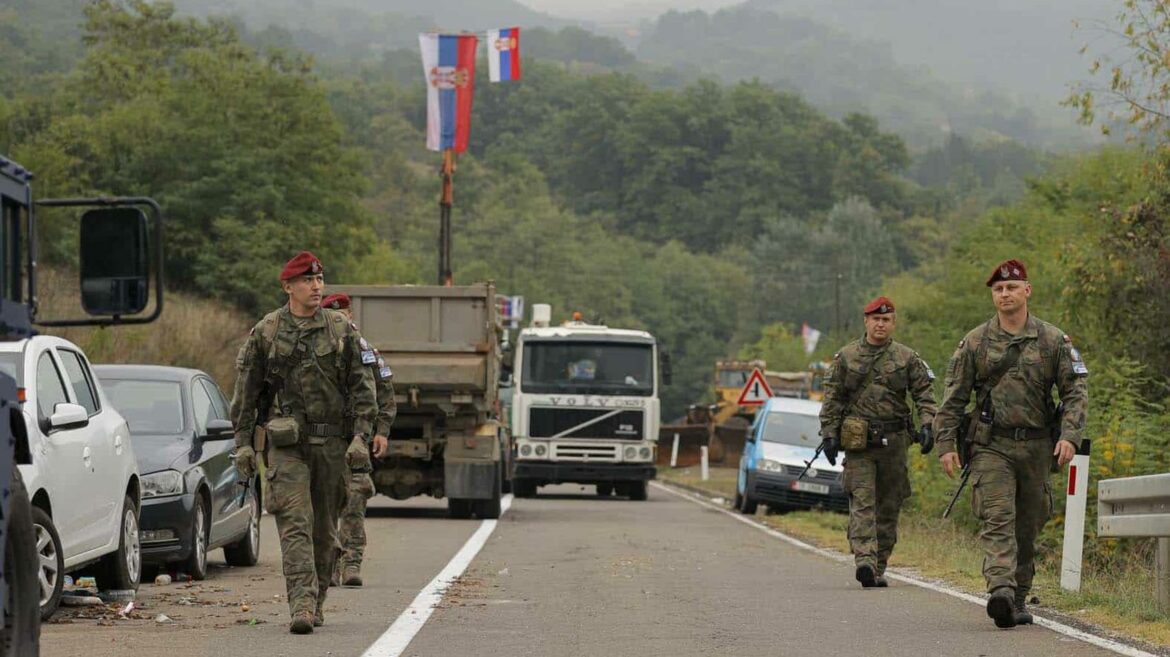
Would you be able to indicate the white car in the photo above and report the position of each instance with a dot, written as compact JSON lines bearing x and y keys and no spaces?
{"x":78,"y":465}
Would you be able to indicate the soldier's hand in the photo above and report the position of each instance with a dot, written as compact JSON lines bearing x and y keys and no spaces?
{"x":950,"y":463}
{"x":245,"y":458}
{"x":357,"y":457}
{"x":926,"y":438}
{"x":832,"y":447}
{"x":1064,"y":452}
{"x":381,"y":446}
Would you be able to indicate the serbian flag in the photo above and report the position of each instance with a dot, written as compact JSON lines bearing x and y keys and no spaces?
{"x":504,"y":54}
{"x":449,"y":69}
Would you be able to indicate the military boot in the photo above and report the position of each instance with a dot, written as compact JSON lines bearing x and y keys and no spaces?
{"x":319,"y":615}
{"x":1001,"y":607}
{"x":866,"y":575}
{"x":880,"y":582}
{"x":302,"y":623}
{"x":351,"y":575}
{"x":1020,"y":611}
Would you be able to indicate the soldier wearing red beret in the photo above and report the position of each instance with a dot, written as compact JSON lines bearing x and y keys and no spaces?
{"x":1014,"y":433}
{"x":865,"y":412}
{"x":302,"y":375}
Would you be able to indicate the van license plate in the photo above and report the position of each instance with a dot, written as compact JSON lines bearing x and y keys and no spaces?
{"x":809,"y":487}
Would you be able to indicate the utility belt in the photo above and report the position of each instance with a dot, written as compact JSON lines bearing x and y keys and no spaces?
{"x":286,"y":431}
{"x":858,"y":433}
{"x":1020,"y":433}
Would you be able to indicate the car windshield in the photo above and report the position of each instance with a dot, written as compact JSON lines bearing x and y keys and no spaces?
{"x":583,"y":368}
{"x":10,"y":364}
{"x":733,"y":378}
{"x":792,"y":429}
{"x":150,"y":407}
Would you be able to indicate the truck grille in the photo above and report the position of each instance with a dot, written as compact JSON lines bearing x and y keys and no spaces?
{"x":585,"y":452}
{"x":548,"y":422}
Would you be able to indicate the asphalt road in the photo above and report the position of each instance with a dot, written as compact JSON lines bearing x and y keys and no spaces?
{"x":565,"y":573}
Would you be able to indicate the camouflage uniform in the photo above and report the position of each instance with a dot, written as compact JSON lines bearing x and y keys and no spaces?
{"x":319,"y":360}
{"x":1010,"y":464}
{"x":360,"y":486}
{"x":876,"y":478}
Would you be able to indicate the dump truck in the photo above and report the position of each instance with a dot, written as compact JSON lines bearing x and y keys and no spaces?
{"x":442,"y":346}
{"x":585,"y":406}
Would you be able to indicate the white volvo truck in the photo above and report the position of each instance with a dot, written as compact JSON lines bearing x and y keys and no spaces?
{"x":585,"y":406}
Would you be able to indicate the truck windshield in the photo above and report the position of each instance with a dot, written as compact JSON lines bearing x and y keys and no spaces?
{"x":588,"y":368}
{"x":792,"y":429}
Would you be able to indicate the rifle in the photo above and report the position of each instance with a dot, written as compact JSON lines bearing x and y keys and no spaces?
{"x":808,"y":463}
{"x":263,"y":406}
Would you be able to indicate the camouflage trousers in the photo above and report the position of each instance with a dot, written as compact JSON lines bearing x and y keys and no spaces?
{"x":1012,"y":499}
{"x":352,"y":526}
{"x":305,"y":494}
{"x":877,"y":482}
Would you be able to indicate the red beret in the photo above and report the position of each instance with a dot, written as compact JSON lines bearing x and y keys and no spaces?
{"x":1008,"y":270}
{"x":336,"y":301}
{"x":880,"y":305}
{"x":301,"y":264}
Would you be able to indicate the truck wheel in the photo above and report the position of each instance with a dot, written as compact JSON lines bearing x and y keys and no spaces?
{"x":21,"y":634}
{"x":604,"y":490}
{"x":638,"y":491}
{"x":458,"y":508}
{"x":50,"y":562}
{"x":523,"y":488}
{"x":122,"y":568}
{"x":490,"y":508}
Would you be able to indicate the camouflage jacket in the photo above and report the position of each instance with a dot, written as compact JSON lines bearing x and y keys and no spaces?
{"x":387,"y":408}
{"x":1023,"y":397}
{"x":315,"y":364}
{"x":884,"y":399}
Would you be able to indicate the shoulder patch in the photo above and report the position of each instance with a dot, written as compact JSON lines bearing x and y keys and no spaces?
{"x":368,"y":357}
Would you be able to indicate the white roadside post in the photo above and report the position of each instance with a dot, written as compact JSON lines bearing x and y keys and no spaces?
{"x":1074,"y":519}
{"x":703,"y":462}
{"x":674,"y":452}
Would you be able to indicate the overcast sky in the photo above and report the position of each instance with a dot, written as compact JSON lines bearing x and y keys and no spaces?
{"x":601,"y":9}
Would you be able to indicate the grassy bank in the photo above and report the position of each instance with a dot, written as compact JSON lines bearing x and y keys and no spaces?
{"x":1119,"y":600}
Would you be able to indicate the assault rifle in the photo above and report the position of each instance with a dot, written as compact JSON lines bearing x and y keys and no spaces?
{"x":808,"y":463}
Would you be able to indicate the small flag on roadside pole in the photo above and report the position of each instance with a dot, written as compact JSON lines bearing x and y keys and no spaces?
{"x":449,"y":69}
{"x":504,"y":54}
{"x":810,"y":336}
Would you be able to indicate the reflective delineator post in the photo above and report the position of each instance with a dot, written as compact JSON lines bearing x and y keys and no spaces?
{"x":674,"y":452}
{"x":703,"y":462}
{"x":1074,"y":519}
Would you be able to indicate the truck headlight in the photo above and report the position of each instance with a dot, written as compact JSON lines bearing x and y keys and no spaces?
{"x":540,"y":450}
{"x":765,"y":465}
{"x":631,"y":453}
{"x":644,"y":453}
{"x":525,"y":450}
{"x":158,"y":484}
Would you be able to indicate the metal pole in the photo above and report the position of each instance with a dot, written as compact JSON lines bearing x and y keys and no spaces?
{"x":445,"y":202}
{"x":703,"y":470}
{"x":1162,"y":574}
{"x":674,"y":452}
{"x":1074,"y":519}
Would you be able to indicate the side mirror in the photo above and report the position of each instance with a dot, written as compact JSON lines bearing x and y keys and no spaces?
{"x":664,"y":367}
{"x":68,"y":416}
{"x":219,"y":430}
{"x":115,"y":264}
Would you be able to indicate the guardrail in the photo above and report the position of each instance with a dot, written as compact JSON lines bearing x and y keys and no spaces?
{"x":1139,"y":507}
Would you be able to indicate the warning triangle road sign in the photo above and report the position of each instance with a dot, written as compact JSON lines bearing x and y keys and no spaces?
{"x":755,"y":391}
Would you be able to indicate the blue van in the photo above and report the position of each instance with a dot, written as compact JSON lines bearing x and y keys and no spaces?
{"x":783,"y":436}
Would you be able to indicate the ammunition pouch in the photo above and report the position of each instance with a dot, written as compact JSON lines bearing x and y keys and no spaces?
{"x":282,"y":432}
{"x":854,"y":434}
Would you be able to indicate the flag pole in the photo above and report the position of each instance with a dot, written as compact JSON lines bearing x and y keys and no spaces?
{"x":445,"y":200}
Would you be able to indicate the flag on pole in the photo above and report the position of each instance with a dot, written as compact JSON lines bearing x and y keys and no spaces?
{"x":449,"y":69}
{"x":810,"y":336}
{"x":504,"y":54}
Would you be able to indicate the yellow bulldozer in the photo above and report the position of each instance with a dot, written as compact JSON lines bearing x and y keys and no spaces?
{"x":722,"y":426}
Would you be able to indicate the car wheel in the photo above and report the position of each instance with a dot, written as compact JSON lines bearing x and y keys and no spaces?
{"x":51,"y":562}
{"x":738,"y":500}
{"x":121,"y":568}
{"x":638,"y":491}
{"x":22,"y":619}
{"x":748,"y":506}
{"x":196,"y":564}
{"x":246,"y":551}
{"x":604,"y":490}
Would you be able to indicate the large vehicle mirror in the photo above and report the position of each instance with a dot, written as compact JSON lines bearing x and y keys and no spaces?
{"x":664,"y":367}
{"x":115,"y":264}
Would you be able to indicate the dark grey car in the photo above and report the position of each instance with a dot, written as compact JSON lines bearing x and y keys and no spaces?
{"x":192,"y":501}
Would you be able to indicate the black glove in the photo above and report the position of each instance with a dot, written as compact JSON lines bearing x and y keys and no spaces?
{"x":832,"y":446}
{"x":926,"y":438}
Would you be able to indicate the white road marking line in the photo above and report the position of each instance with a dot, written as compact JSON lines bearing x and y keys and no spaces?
{"x":1060,"y":628}
{"x":399,"y":635}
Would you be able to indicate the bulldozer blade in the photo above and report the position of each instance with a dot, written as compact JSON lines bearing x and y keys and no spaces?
{"x":691,"y":437}
{"x":728,"y":440}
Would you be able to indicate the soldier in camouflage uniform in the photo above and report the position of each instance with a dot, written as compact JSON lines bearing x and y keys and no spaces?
{"x":359,"y":485}
{"x":866,"y":396}
{"x":1012,"y":449}
{"x":299,"y":372}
